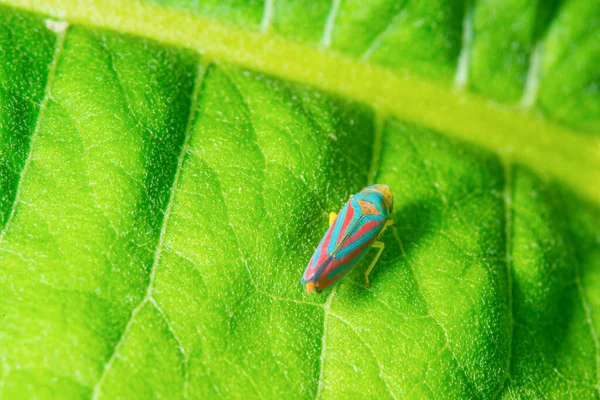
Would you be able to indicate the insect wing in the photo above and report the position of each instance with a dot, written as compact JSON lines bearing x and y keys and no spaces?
{"x":323,"y":254}
{"x":352,"y":250}
{"x":354,"y":232}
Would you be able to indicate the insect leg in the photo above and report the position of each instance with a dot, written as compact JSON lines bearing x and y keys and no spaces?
{"x":380,"y":246}
{"x":388,"y":223}
{"x":332,"y":217}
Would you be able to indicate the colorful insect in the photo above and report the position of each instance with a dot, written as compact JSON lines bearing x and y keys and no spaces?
{"x":351,"y":234}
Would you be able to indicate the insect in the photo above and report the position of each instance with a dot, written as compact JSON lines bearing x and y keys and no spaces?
{"x":350,"y":236}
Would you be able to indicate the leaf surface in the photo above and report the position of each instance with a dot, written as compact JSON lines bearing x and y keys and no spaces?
{"x":159,"y":205}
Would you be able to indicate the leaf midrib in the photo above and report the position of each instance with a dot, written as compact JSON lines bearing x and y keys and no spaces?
{"x":548,"y":148}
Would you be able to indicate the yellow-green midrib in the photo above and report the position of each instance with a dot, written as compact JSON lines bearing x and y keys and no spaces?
{"x":547,"y":147}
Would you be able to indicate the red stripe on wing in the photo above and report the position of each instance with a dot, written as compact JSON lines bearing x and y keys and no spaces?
{"x":363,"y":230}
{"x":347,"y":220}
{"x":314,"y":264}
{"x":325,"y":281}
{"x":324,"y":255}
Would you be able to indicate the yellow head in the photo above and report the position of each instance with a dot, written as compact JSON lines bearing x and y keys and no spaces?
{"x":386,"y":192}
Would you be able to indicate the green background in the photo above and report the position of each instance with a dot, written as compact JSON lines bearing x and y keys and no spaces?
{"x":158,"y":203}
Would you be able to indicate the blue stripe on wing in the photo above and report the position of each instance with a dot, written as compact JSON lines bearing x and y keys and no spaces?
{"x":351,"y":245}
{"x":317,"y":274}
{"x":338,"y":228}
{"x":345,"y":267}
{"x":357,"y":215}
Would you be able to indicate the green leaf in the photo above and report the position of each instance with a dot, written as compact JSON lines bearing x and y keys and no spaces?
{"x":158,"y":204}
{"x":429,"y":52}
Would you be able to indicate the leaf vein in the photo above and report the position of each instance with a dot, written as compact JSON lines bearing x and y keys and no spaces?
{"x":508,"y":217}
{"x":330,"y":23}
{"x":377,"y":148}
{"x":250,"y":379}
{"x":382,"y":376}
{"x":60,"y":39}
{"x":148,"y":295}
{"x":532,"y":80}
{"x":589,"y":321}
{"x":427,"y":168}
{"x":435,"y":320}
{"x":177,"y":340}
{"x":461,"y":75}
{"x":376,"y":40}
{"x":326,"y":308}
{"x":244,"y":102}
{"x":267,"y":19}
